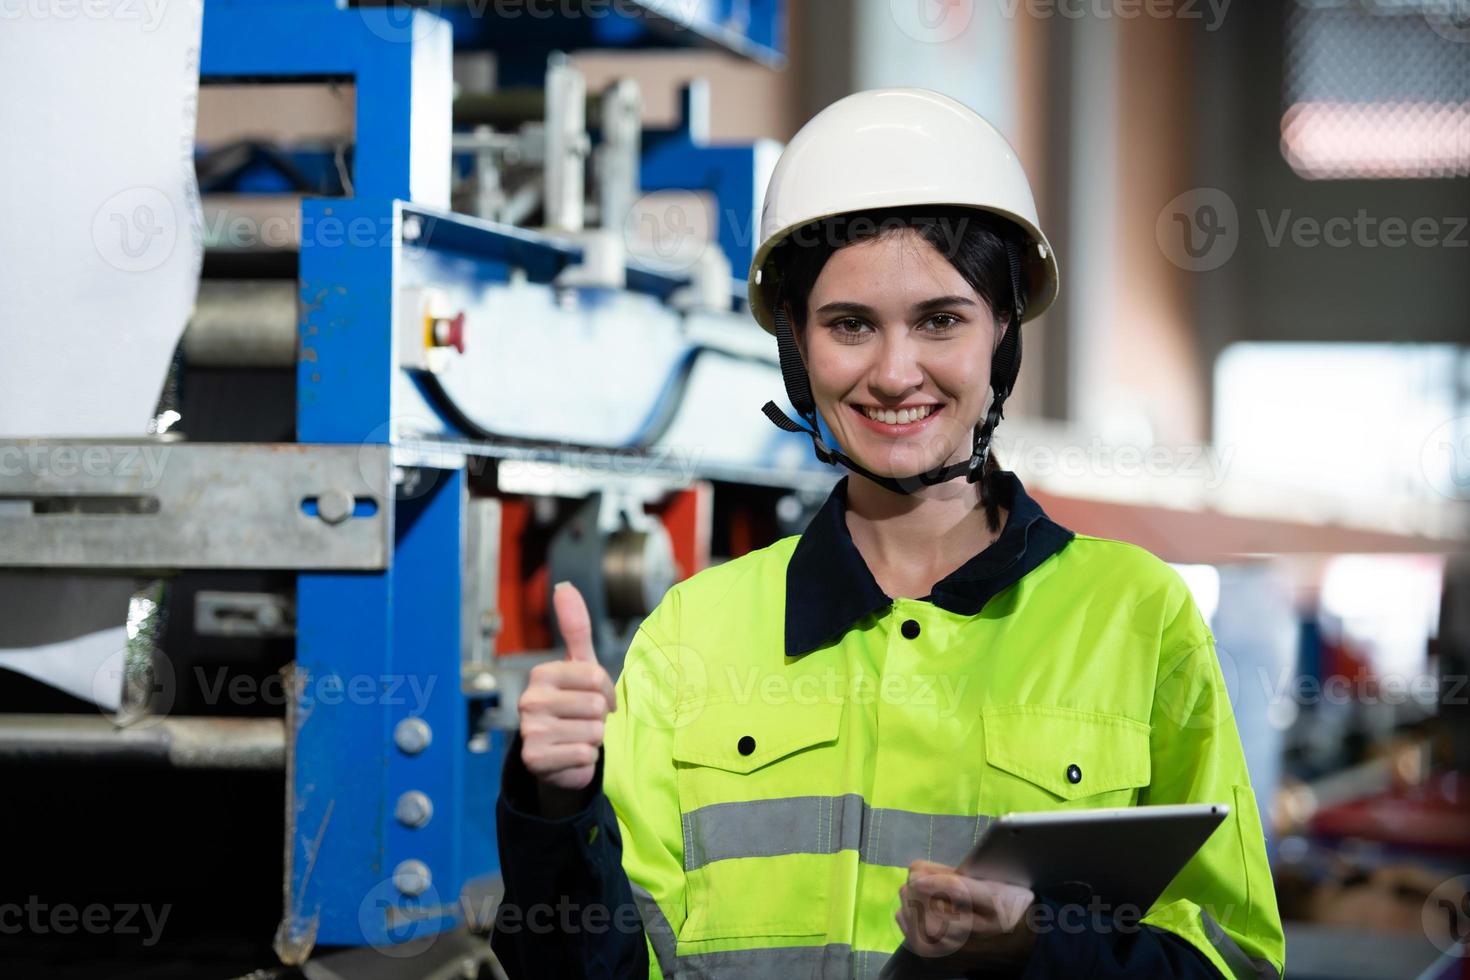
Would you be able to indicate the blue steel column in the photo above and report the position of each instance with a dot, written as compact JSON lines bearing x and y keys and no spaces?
{"x":340,"y":746}
{"x":396,"y":634}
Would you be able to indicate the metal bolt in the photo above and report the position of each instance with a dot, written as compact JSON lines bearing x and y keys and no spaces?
{"x":412,"y":735}
{"x":414,"y":809}
{"x":479,"y":680}
{"x":412,"y":228}
{"x":334,"y":506}
{"x":412,"y":878}
{"x":268,"y":616}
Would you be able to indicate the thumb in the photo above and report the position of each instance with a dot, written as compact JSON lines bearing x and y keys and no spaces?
{"x":573,"y":621}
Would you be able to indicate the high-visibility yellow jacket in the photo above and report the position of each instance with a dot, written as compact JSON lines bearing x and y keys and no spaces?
{"x":789,"y":739}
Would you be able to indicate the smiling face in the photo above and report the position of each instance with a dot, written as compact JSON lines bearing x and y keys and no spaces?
{"x":898,"y":348}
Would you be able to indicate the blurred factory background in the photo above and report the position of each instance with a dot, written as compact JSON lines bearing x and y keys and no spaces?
{"x":331,"y":334}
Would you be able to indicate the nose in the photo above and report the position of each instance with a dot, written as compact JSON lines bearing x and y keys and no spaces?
{"x":897,"y":370}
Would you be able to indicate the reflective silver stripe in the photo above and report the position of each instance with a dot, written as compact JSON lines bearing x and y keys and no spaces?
{"x":784,"y":962}
{"x":898,"y":837}
{"x":1241,"y":965}
{"x":868,"y":963}
{"x":825,"y":825}
{"x":656,"y":927}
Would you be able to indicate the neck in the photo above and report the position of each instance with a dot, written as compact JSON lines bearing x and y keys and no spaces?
{"x":911,"y":541}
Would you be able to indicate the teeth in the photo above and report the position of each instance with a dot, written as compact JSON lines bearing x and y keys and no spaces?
{"x":902,"y":416}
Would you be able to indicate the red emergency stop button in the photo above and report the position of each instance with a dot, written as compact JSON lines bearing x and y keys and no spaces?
{"x":450,"y":332}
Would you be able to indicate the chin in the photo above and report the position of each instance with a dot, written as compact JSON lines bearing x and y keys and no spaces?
{"x":898,"y":466}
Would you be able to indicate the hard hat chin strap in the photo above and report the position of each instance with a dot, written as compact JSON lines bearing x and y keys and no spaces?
{"x":1005,"y":365}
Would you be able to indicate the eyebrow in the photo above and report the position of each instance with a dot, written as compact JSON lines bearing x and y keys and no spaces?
{"x":927,"y":306}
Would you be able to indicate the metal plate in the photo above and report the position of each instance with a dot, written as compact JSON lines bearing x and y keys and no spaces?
{"x":162,"y":505}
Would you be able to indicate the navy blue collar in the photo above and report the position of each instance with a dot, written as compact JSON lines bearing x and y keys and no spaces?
{"x":829,"y":587}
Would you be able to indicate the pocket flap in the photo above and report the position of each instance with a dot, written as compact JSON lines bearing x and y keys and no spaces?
{"x":1067,"y":752}
{"x":742,"y":736}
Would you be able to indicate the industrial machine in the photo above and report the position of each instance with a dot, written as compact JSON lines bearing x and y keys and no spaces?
{"x":489,"y":351}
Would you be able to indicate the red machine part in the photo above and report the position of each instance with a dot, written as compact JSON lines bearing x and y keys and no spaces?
{"x":524,"y":591}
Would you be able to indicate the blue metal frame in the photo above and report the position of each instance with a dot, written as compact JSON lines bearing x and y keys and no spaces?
{"x":376,"y":648}
{"x":524,"y":31}
{"x":398,"y":60}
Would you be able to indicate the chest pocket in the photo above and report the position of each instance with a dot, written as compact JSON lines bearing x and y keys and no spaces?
{"x":1041,"y":757}
{"x":756,"y":784}
{"x":755,"y":749}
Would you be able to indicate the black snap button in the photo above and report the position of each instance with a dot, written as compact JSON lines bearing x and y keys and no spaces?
{"x":746,"y":745}
{"x":1074,"y":774}
{"x":910,"y":629}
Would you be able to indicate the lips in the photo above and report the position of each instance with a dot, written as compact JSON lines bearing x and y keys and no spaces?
{"x":909,"y":426}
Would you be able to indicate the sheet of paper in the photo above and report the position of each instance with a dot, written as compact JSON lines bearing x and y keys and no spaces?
{"x":100,"y":246}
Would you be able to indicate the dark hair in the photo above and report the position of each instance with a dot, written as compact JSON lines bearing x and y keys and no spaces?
{"x":974,"y":242}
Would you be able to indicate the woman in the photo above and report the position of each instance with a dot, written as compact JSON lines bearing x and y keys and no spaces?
{"x":804,"y":741}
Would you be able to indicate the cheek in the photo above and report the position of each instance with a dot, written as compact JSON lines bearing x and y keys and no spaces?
{"x":832,"y":368}
{"x":967,"y":374}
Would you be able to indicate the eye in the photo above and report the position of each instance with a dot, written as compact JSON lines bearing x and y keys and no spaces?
{"x":848,"y":329}
{"x":943,"y":322}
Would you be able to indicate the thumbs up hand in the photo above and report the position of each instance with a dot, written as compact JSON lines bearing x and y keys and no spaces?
{"x":564,"y":708}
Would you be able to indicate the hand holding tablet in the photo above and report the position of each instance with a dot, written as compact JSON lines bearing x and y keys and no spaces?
{"x":1120,"y":859}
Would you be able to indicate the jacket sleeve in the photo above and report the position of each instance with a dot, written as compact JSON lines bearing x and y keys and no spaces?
{"x":600,"y":893}
{"x":567,"y":910}
{"x":657,"y":677}
{"x":1224,"y":901}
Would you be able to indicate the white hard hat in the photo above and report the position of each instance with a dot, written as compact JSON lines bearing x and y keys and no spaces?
{"x":894,"y":147}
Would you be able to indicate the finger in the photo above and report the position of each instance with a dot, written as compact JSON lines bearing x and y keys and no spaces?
{"x":544,"y":759}
{"x":573,"y":621}
{"x":930,"y":931}
{"x":946,"y":893}
{"x":922,"y":867}
{"x":571,"y":779}
{"x":572,"y":674}
{"x":558,"y":703}
{"x":555,"y":731}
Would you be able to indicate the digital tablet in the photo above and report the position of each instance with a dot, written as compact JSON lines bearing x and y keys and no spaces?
{"x":1125,"y":857}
